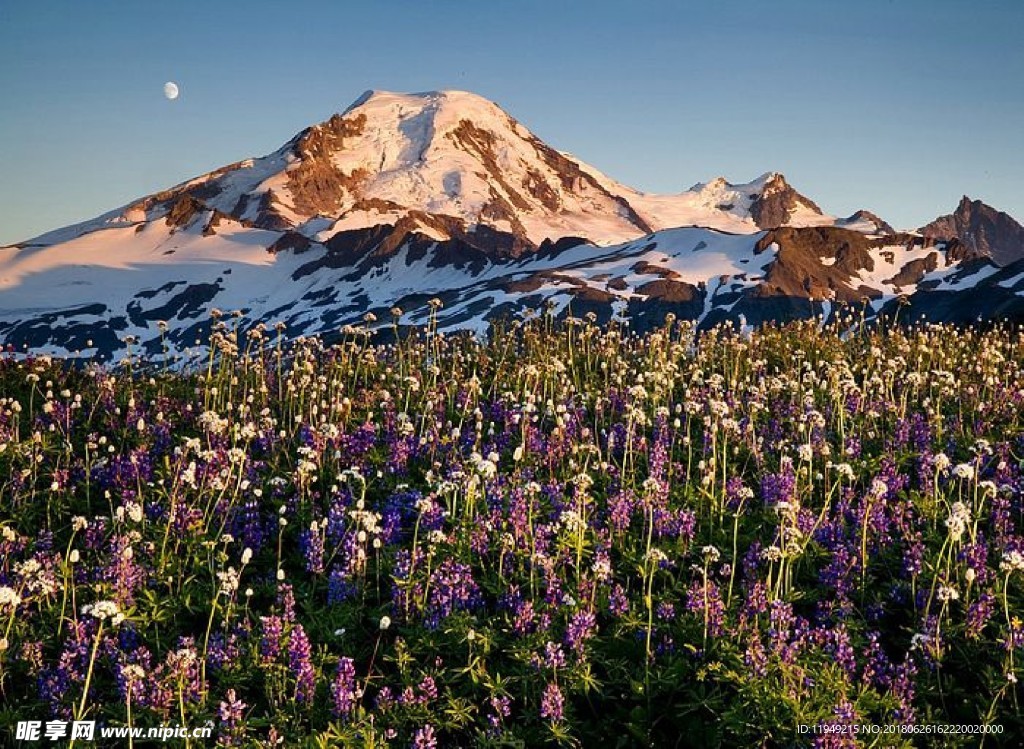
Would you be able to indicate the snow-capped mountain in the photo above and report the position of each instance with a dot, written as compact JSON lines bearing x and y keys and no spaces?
{"x":458,"y":157}
{"x":403,"y":197}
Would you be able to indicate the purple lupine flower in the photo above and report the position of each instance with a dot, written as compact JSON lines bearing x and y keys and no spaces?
{"x":913,"y":556}
{"x":554,"y":656}
{"x":755,"y":658}
{"x":385,"y":699}
{"x":424,"y":738}
{"x":301,"y":665}
{"x":501,"y":708}
{"x":705,"y":598}
{"x":344,"y":690}
{"x":124,"y":571}
{"x":975,"y":555}
{"x":978,"y":614}
{"x":222,"y":650}
{"x":902,"y":688}
{"x":427,"y":689}
{"x":778,"y":487}
{"x":837,"y":575}
{"x":249,"y":526}
{"x":524,"y":617}
{"x":552,"y":704}
{"x":286,"y":600}
{"x":157,"y":694}
{"x":666,"y":611}
{"x":311,"y":543}
{"x":339,"y":587}
{"x":620,"y":510}
{"x":839,"y":647}
{"x":844,"y":712}
{"x":877,"y":667}
{"x":231,"y":712}
{"x":231,"y":708}
{"x":618,"y":601}
{"x":452,"y":589}
{"x":337,"y":516}
{"x":581,"y":628}
{"x":270,"y":643}
{"x":679,"y":523}
{"x":735,"y":492}
{"x":552,"y":586}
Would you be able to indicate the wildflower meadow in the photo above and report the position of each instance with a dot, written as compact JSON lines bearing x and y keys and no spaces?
{"x":565,"y":534}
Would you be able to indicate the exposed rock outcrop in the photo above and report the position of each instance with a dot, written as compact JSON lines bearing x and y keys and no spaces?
{"x":982,"y":230}
{"x":778,"y":202}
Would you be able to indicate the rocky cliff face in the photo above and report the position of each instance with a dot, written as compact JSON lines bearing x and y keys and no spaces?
{"x":778,"y":204}
{"x":982,"y":230}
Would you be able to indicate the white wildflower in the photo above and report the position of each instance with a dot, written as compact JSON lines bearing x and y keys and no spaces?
{"x":1013,"y":561}
{"x":104,"y":610}
{"x":958,"y":520}
{"x":9,"y":598}
{"x":228,"y":581}
{"x":964,"y":471}
{"x":711,"y":554}
{"x":134,"y":511}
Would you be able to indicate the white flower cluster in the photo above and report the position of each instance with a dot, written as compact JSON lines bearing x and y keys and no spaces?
{"x":104,"y":610}
{"x":958,"y":520}
{"x":212,"y":422}
{"x":964,"y":471}
{"x":9,"y":598}
{"x":845,"y":470}
{"x":486,"y":467}
{"x":1013,"y":561}
{"x":229,"y":581}
{"x":711,"y":554}
{"x":571,"y":521}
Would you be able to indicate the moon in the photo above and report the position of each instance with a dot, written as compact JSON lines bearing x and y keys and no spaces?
{"x":171,"y":90}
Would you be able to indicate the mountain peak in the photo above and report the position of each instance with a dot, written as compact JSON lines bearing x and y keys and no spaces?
{"x":772,"y":179}
{"x":982,"y":229}
{"x":778,"y":204}
{"x":866,"y":222}
{"x":453,"y":104}
{"x":454,"y":161}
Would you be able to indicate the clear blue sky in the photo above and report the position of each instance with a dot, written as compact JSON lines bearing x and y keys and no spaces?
{"x":898,"y":106}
